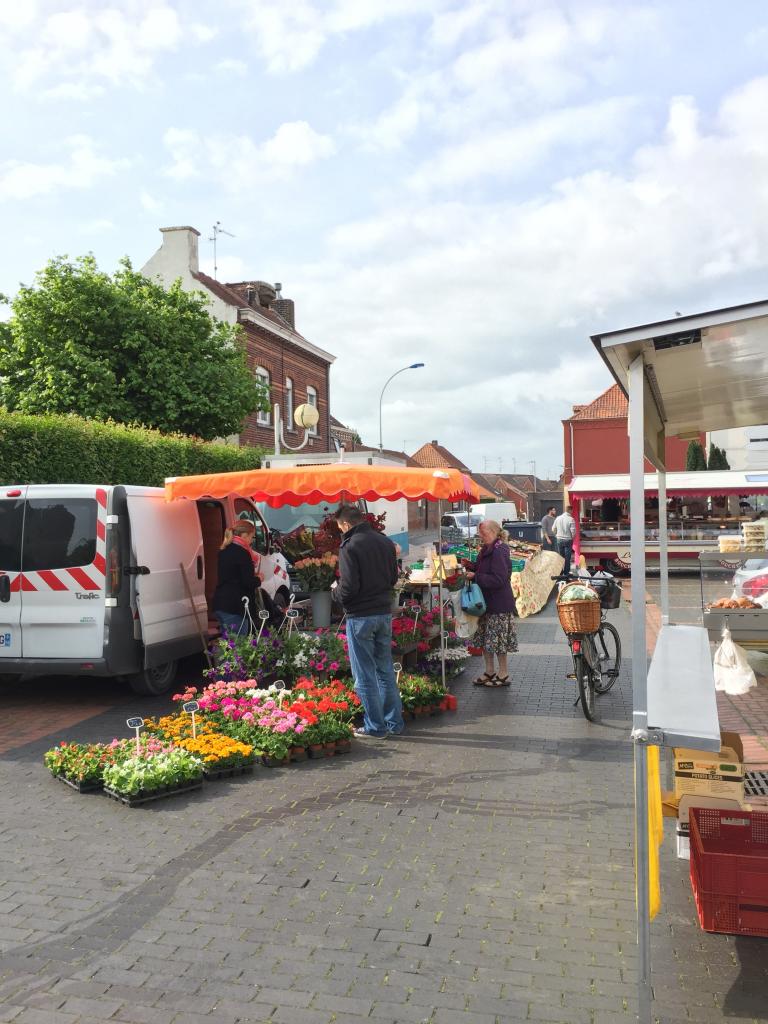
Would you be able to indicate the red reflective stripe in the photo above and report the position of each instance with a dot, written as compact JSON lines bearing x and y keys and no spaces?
{"x":99,"y":564}
{"x":16,"y":584}
{"x":51,"y":579}
{"x":83,"y":579}
{"x":101,"y":496}
{"x":101,"y":530}
{"x":26,"y":584}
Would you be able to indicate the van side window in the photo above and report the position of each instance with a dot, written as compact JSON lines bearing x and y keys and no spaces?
{"x":11,"y":519}
{"x":245,"y":510}
{"x":59,"y":534}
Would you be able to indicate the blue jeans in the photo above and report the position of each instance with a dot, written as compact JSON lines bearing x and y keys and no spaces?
{"x":370,"y":654}
{"x":565,"y":548}
{"x":235,"y":625}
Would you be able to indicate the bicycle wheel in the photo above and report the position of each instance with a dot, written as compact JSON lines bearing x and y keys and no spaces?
{"x":608,"y":646}
{"x":585,"y":676}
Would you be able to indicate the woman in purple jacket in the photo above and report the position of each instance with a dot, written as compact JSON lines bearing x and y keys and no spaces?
{"x":496,"y":628}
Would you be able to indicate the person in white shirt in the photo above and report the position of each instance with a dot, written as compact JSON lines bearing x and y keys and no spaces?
{"x":564,"y":529}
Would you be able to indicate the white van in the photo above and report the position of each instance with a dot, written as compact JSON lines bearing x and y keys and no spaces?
{"x":91,"y":579}
{"x":459,"y":525}
{"x":500,"y":511}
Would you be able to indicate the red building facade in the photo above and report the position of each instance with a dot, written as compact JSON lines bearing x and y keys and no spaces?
{"x":596,"y":440}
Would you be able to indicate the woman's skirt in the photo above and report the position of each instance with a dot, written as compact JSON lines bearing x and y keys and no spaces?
{"x":496,"y":633}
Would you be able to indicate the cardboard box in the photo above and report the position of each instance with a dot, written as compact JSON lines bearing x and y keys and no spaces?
{"x":705,"y":773}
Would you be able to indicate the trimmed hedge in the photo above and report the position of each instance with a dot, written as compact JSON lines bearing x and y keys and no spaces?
{"x":67,"y":449}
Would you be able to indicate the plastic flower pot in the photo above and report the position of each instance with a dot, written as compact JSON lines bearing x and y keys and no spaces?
{"x":343,"y":746}
{"x":329,"y":748}
{"x":299,"y":754}
{"x":315,"y":750}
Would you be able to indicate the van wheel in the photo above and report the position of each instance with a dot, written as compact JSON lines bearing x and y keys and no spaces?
{"x":154,"y":681}
{"x":282,"y":599}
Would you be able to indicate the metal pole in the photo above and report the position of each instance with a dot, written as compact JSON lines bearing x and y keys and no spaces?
{"x":663,"y":547}
{"x":639,"y":680}
{"x":440,"y":589}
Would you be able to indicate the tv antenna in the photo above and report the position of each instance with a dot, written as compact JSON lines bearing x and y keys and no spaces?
{"x":217,"y":230}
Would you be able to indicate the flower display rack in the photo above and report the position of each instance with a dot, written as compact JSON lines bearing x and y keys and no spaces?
{"x":92,"y":786}
{"x":138,"y":799}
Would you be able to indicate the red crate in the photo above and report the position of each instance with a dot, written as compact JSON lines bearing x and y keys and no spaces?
{"x":729,"y":870}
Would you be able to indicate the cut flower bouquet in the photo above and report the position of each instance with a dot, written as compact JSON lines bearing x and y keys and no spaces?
{"x":317,"y":573}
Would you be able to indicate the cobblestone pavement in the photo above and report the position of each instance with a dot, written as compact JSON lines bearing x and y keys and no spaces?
{"x":477,"y":870}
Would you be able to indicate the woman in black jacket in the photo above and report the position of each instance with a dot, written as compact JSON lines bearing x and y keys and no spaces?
{"x":238,"y":580}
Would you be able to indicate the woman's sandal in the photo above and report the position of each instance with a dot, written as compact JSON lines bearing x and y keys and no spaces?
{"x":495,"y":681}
{"x":486,"y":679}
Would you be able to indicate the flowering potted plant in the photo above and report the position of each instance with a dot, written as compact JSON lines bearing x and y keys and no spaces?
{"x":221,"y":755}
{"x":82,"y":765}
{"x":317,"y":572}
{"x":150,"y":775}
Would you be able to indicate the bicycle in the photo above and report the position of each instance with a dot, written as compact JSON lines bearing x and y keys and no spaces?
{"x":596,"y":655}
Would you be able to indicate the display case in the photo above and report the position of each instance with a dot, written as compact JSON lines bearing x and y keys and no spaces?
{"x":734,"y":592}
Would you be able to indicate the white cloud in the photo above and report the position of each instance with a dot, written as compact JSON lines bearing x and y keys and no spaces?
{"x":238,"y":162}
{"x":64,"y":54}
{"x":83,"y":168}
{"x":232,"y":66}
{"x":149,"y":202}
{"x":514,"y":151}
{"x":499,"y":297}
{"x":290,"y":36}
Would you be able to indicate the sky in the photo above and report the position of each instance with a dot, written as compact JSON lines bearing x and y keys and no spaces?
{"x":478,"y":185}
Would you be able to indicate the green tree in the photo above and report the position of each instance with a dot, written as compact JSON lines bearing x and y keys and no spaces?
{"x":124,"y":348}
{"x":717,"y":458}
{"x":695,"y":458}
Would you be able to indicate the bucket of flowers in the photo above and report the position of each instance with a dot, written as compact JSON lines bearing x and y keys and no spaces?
{"x":407,"y":631}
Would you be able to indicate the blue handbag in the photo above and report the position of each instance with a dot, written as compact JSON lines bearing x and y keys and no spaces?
{"x":472,"y":600}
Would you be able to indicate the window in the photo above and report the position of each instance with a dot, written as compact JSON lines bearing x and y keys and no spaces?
{"x":245,"y":510}
{"x":59,"y":534}
{"x":264,"y":419}
{"x":312,"y":400}
{"x":11,"y":520}
{"x":290,"y":425}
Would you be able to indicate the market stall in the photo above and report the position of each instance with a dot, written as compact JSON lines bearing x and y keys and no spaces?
{"x":682,"y":376}
{"x":338,"y":482}
{"x":692,"y":526}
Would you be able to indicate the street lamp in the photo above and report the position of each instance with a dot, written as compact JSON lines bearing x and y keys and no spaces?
{"x":413,"y":366}
{"x":305,"y":416}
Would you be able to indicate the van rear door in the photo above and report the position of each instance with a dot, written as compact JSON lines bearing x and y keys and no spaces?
{"x":11,"y":523}
{"x":165,"y":535}
{"x":63,"y":571}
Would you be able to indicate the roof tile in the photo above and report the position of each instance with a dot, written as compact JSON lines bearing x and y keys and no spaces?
{"x":611,"y":405}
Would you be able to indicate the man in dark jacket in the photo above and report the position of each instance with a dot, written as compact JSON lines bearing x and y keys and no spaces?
{"x":368,"y":572}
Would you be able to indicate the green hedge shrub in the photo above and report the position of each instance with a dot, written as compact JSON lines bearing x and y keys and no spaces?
{"x":67,"y":449}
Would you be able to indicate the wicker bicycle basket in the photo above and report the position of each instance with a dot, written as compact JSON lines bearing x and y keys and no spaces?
{"x":579,"y":616}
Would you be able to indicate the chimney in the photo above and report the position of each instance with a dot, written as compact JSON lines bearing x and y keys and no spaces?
{"x":250,"y":294}
{"x":434,"y":443}
{"x":285,"y":309}
{"x":179,"y":247}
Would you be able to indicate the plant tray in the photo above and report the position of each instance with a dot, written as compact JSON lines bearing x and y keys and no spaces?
{"x":81,"y":787}
{"x":213,"y":774}
{"x":155,"y":794}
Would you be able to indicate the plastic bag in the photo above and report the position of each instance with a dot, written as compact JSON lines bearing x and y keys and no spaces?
{"x":465,"y":625}
{"x":733,"y":674}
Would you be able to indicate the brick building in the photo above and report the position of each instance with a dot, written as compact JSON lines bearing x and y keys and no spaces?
{"x":596,"y":440}
{"x":293,"y":369}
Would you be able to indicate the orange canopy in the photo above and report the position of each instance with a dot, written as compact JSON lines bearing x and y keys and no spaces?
{"x":313,"y":484}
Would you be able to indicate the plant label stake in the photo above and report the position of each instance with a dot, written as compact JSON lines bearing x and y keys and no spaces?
{"x":138,"y":725}
{"x":279,"y":685}
{"x":263,"y":616}
{"x":285,"y":614}
{"x":398,"y":669}
{"x":343,"y":617}
{"x":191,"y":707}
{"x":292,"y":615}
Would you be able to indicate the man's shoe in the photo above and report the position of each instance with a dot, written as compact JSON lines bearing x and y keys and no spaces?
{"x":363,"y":734}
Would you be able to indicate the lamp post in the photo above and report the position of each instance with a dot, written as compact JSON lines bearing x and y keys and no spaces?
{"x":412,"y":366}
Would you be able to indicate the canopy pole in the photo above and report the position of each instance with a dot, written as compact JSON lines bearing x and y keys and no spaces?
{"x":663,"y":546}
{"x":639,"y":681}
{"x":440,"y":587}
